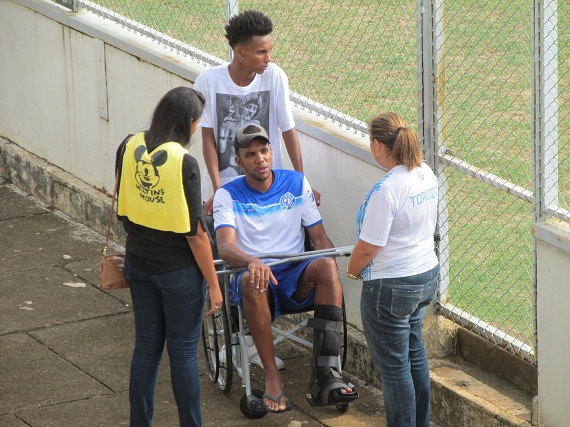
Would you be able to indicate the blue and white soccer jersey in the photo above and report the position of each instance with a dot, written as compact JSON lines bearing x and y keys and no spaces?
{"x":269,"y":223}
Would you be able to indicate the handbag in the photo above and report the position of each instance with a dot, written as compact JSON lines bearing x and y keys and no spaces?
{"x":112,"y":276}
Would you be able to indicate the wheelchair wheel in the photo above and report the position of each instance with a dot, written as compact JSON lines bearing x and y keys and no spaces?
{"x":344,"y":341}
{"x":246,"y":410}
{"x":210,"y":346}
{"x":216,"y":337}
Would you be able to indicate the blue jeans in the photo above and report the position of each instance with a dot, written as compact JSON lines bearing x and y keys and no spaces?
{"x":392,"y":311}
{"x":167,"y":307}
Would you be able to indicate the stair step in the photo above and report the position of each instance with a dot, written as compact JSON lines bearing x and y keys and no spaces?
{"x":467,"y":396}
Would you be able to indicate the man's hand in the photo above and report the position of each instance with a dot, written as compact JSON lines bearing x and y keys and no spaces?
{"x":317,"y":196}
{"x":260,"y":274}
{"x":209,"y":206}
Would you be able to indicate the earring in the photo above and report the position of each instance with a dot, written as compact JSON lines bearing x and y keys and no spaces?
{"x":241,"y":59}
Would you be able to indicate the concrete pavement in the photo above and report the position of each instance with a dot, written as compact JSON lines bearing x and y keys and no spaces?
{"x":65,"y":345}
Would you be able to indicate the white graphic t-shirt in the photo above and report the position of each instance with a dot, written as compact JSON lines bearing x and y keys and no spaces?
{"x":265,"y":101}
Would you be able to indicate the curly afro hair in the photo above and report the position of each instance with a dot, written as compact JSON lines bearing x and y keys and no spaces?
{"x":241,"y":28}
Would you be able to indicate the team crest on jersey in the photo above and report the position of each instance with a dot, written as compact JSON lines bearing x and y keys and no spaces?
{"x":287,"y":201}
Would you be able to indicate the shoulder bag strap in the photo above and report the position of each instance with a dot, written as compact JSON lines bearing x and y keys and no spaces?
{"x":122,"y":145}
{"x":111,"y":214}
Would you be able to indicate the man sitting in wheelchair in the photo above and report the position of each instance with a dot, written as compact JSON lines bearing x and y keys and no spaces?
{"x":266,"y":212}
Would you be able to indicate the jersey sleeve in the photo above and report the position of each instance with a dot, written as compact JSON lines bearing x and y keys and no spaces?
{"x":377,"y":219}
{"x":224,"y":215}
{"x":310,"y":215}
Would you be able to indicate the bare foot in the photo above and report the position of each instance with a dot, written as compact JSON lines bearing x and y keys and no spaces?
{"x":274,"y":389}
{"x":276,"y":403}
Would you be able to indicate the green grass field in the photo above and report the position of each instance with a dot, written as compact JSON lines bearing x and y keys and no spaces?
{"x":360,"y":58}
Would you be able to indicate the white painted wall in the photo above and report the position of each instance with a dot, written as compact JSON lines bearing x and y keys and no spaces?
{"x":553,"y":314}
{"x":55,"y":81}
{"x":73,"y":85}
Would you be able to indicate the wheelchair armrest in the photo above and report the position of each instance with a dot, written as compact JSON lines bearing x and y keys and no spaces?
{"x":283,"y":258}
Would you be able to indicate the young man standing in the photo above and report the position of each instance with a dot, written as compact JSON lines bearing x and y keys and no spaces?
{"x":251,"y":79}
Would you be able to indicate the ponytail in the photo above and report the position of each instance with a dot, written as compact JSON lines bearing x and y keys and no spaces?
{"x":402,"y":142}
{"x":406,"y":148}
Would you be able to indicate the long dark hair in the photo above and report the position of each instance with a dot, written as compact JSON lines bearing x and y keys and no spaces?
{"x":173,"y":115}
{"x":402,"y":142}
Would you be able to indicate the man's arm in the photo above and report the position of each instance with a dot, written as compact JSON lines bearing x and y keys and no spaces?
{"x":293,"y":149}
{"x":319,"y":237}
{"x":211,"y":159}
{"x":228,"y":250}
{"x":260,"y":273}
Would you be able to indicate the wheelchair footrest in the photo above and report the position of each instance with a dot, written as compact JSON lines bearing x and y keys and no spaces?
{"x":316,"y":403}
{"x":312,"y":401}
{"x":254,"y":403}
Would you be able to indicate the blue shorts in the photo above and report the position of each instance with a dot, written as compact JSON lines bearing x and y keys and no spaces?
{"x":287,"y":275}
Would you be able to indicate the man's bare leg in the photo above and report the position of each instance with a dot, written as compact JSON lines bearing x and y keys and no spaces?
{"x":258,"y":317}
{"x":321,"y":274}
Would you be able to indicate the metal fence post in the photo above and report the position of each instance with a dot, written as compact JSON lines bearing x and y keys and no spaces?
{"x":431,"y":108}
{"x":545,"y":117}
{"x":232,"y":9}
{"x":545,"y":111}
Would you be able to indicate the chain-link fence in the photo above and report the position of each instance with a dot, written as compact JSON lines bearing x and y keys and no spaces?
{"x":503,"y":157}
{"x":486,"y":81}
{"x":484,"y":138}
{"x":345,"y":60}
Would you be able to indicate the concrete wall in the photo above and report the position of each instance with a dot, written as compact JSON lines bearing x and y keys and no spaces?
{"x":553,"y":314}
{"x":73,"y":85}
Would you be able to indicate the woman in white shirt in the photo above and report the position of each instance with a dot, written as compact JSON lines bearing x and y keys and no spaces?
{"x":395,"y":257}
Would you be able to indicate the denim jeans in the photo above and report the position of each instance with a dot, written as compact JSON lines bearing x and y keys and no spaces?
{"x":167,"y":307}
{"x":392,"y":311}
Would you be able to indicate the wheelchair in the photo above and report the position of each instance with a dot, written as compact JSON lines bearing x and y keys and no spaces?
{"x":224,"y":337}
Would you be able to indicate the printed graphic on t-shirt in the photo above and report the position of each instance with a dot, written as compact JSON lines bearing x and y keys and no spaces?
{"x":233,"y":112}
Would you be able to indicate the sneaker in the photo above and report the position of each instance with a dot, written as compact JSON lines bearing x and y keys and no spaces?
{"x":235,"y":356}
{"x":251,"y":349}
{"x":222,"y":355}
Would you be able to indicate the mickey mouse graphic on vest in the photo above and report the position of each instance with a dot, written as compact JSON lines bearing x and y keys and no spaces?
{"x":154,"y":178}
{"x":147,"y":175}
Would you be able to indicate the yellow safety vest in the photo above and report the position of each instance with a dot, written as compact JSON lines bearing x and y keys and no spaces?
{"x":151,"y":191}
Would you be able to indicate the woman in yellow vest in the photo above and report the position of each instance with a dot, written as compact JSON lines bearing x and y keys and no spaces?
{"x":168,"y":259}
